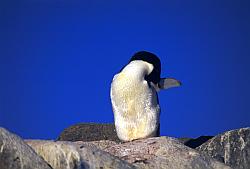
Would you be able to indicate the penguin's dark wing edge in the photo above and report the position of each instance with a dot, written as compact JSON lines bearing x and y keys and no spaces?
{"x":166,"y":83}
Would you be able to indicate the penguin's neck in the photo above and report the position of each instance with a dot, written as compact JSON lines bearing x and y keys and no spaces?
{"x":138,"y":69}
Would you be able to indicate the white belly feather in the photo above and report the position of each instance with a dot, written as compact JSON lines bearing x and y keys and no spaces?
{"x":135,"y":107}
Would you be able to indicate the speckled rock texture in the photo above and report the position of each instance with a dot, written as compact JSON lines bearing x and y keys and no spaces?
{"x":89,"y":132}
{"x":231,"y":148}
{"x":16,"y":154}
{"x":68,"y":155}
{"x":158,"y":152}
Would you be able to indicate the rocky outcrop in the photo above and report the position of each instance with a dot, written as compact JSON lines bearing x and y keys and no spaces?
{"x":89,"y":132}
{"x":68,"y":155}
{"x":15,"y":154}
{"x":158,"y":152}
{"x":161,"y":152}
{"x":232,"y":148}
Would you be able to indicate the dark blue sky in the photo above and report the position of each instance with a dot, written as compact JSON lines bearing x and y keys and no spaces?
{"x":57,"y":60}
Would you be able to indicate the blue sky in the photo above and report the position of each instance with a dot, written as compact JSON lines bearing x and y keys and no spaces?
{"x":57,"y":60}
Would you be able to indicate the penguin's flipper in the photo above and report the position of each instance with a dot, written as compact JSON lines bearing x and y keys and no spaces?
{"x":166,"y":83}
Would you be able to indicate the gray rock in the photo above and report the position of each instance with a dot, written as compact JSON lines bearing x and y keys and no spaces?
{"x":231,"y":147}
{"x":159,"y":152}
{"x":16,"y":154}
{"x":96,"y":158}
{"x":69,"y":155}
{"x":89,"y":132}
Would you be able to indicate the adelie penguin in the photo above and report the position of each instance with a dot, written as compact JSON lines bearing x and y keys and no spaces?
{"x":134,"y":97}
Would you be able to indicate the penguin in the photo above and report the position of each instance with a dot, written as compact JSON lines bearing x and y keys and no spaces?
{"x":134,"y":97}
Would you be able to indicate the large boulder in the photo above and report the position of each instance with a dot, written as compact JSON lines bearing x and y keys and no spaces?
{"x":158,"y":152}
{"x":68,"y":155}
{"x":231,"y":148}
{"x":89,"y":132}
{"x":16,"y":154}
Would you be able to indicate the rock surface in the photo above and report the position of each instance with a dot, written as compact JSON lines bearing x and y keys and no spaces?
{"x":232,"y":148}
{"x":15,"y":154}
{"x":89,"y":132}
{"x":158,"y":152}
{"x":68,"y":155}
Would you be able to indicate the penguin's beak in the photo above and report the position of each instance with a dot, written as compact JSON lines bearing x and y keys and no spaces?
{"x":166,"y":83}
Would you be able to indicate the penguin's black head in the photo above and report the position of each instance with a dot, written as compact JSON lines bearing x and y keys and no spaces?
{"x":151,"y":58}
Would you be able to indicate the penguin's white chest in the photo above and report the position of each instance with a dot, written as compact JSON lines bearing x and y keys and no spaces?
{"x":135,"y":106}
